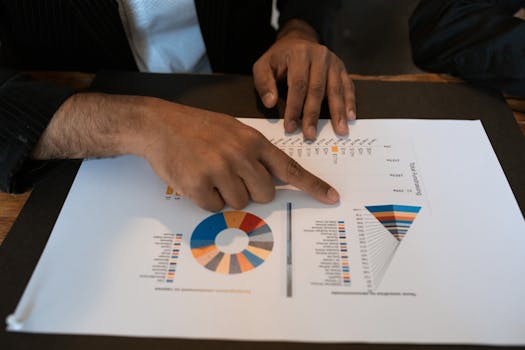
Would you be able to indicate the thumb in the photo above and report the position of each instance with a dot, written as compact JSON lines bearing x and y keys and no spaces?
{"x":265,"y":83}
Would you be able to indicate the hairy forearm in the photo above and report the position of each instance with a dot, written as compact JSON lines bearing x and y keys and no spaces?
{"x":91,"y":125}
{"x":181,"y":145}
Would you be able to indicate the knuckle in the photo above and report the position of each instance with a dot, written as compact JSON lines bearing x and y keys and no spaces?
{"x":251,"y":139}
{"x":238,"y":202}
{"x":265,"y":191}
{"x":323,"y":52}
{"x":242,"y":150}
{"x":265,"y":196}
{"x":286,"y":58}
{"x":336,"y":89}
{"x":351,"y":84}
{"x":259,"y":64}
{"x":299,"y":86}
{"x":302,"y":47}
{"x":213,"y":205}
{"x":196,"y":188}
{"x":219,"y":166}
{"x":256,"y":66}
{"x":319,"y":186}
{"x":293,"y":169}
{"x":317,"y":89}
{"x":265,"y":82}
{"x":310,"y":117}
{"x":337,"y":62}
{"x":252,"y":134}
{"x":262,"y":80}
{"x":206,"y":197}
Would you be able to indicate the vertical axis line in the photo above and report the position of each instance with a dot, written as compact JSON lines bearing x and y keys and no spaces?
{"x":288,"y":249}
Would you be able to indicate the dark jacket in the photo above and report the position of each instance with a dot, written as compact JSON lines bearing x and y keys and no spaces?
{"x":478,"y":40}
{"x":88,"y":36}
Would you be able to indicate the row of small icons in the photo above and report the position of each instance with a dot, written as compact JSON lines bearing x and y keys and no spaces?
{"x":310,"y":151}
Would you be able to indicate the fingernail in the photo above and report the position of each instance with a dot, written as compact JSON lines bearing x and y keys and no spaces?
{"x":268,"y":99}
{"x":343,"y":126}
{"x":312,"y":132}
{"x":332,"y":195}
{"x":350,"y":114}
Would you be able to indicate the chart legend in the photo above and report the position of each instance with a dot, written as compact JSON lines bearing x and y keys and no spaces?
{"x":175,"y":251}
{"x":343,"y":250}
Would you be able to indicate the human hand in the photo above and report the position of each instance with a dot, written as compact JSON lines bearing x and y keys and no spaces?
{"x":210,"y":157}
{"x":312,"y":72}
{"x":182,"y":146}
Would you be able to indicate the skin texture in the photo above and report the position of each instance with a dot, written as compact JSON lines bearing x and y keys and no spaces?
{"x":312,"y":72}
{"x":180,"y":142}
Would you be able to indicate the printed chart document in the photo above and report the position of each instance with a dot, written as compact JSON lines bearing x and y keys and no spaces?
{"x":426,"y":246}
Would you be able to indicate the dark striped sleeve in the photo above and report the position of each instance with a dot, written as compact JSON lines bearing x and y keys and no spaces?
{"x":75,"y":35}
{"x":318,"y":14}
{"x":26,"y":107}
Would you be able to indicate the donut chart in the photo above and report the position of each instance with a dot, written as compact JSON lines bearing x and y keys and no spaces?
{"x":205,"y":250}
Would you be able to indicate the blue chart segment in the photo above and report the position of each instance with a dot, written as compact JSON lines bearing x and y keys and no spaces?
{"x":209,"y":255}
{"x":397,"y":219}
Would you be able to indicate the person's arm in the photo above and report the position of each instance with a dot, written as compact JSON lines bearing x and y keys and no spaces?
{"x":181,"y":145}
{"x":26,"y":107}
{"x":480,"y":41}
{"x":312,"y":71}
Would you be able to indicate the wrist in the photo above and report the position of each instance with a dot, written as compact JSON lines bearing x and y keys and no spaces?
{"x":157,"y":120}
{"x":142,"y":124}
{"x":299,"y":29}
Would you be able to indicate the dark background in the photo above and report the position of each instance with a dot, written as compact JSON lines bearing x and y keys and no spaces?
{"x":371,"y":36}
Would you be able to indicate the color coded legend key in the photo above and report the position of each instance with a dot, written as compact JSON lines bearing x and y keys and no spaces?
{"x":174,"y":256}
{"x":343,"y":252}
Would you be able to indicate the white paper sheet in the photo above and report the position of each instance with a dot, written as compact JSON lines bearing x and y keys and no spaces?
{"x":426,"y":246}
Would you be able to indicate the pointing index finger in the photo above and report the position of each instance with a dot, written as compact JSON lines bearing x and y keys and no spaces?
{"x":288,"y":170}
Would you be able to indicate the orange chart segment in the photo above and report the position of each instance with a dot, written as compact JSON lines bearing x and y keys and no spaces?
{"x":198,"y":252}
{"x":206,"y":258}
{"x":206,"y":252}
{"x":244,"y":263}
{"x":234,"y":218}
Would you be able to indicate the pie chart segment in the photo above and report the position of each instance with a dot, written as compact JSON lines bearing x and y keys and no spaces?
{"x":205,"y":233}
{"x":207,"y":253}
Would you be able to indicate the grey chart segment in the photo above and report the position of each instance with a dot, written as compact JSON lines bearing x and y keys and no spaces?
{"x":262,"y":245}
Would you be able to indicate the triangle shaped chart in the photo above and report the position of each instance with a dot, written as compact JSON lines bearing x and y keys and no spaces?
{"x":397,"y":219}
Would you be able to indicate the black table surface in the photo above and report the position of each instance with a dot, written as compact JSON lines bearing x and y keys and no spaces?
{"x":235,"y":95}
